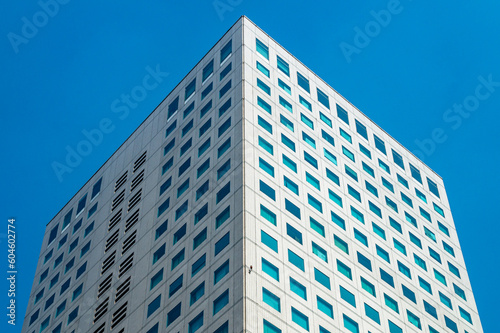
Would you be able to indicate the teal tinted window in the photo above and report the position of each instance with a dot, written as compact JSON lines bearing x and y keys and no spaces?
{"x":289,"y":163}
{"x":348,"y":153}
{"x":350,"y":324}
{"x":315,"y":203}
{"x":324,"y":306}
{"x":311,"y":160}
{"x":433,"y":187}
{"x":289,"y":143}
{"x":271,"y":299}
{"x":322,"y":278}
{"x":283,"y":66}
{"x":285,"y":104}
{"x":409,"y":294}
{"x":268,"y":168}
{"x":190,"y":89}
{"x":296,"y":260}
{"x":404,"y":269}
{"x":284,"y":86}
{"x":413,"y":319}
{"x":347,"y":296}
{"x":443,"y":229}
{"x":360,"y":237}
{"x":448,"y":249}
{"x":345,"y":135}
{"x":196,"y":323}
{"x":226,"y":51}
{"x":415,"y":240}
{"x":438,"y":209}
{"x":369,"y":287}
{"x":386,"y":277}
{"x":398,"y":159}
{"x":379,"y":144}
{"x":393,"y":328}
{"x":374,"y":209}
{"x":425,"y":285}
{"x":267,"y":190}
{"x":430,"y":309}
{"x":365,"y":151}
{"x":340,"y":244}
{"x":270,"y":328}
{"x":344,"y":269}
{"x":395,"y":225}
{"x":330,"y":156}
{"x":302,"y":82}
{"x":328,"y":138}
{"x":323,"y":98}
{"x":411,"y":220}
{"x":399,"y":246}
{"x":309,"y":140}
{"x":403,"y":181}
{"x":300,"y":319}
{"x":173,"y":314}
{"x":383,"y":254}
{"x":357,"y":215}
{"x":199,"y":238}
{"x":378,"y":230}
{"x":270,"y":269}
{"x":204,"y":94}
{"x":225,"y":89}
{"x":221,"y":243}
{"x":266,"y":145}
{"x":325,"y":119}
{"x":435,"y":255}
{"x":263,"y":69}
{"x":351,"y":173}
{"x":262,"y":49}
{"x":420,"y":195}
{"x":265,"y":88}
{"x":305,"y":103}
{"x":355,"y":194}
{"x":419,"y":261}
{"x":451,"y":324}
{"x":361,"y":129}
{"x":391,"y":303}
{"x":320,"y":252}
{"x":465,"y":315}
{"x":335,"y":198}
{"x":198,"y":265}
{"x":338,"y":220}
{"x":445,"y":300}
{"x":222,"y":271}
{"x":264,"y":124}
{"x":298,"y":288}
{"x":316,"y":226}
{"x":294,"y":233}
{"x":290,"y":185}
{"x":286,"y":122}
{"x":197,"y":293}
{"x":267,"y":214}
{"x":372,"y":314}
{"x":312,"y":180}
{"x":332,"y":176}
{"x":406,"y":199}
{"x":220,"y":302}
{"x":342,"y":114}
{"x":368,"y":169}
{"x":384,"y":167}
{"x":440,"y":277}
{"x":415,"y":173}
{"x":264,"y":105}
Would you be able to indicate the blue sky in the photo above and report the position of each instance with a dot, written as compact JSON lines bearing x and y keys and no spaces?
{"x":428,"y":75}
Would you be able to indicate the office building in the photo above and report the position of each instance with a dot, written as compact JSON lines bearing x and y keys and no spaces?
{"x":255,"y":198}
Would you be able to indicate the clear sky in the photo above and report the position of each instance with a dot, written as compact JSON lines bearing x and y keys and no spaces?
{"x":427,"y":73}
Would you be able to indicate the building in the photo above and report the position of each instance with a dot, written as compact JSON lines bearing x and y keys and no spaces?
{"x":255,"y":198}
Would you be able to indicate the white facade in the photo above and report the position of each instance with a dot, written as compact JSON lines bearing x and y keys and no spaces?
{"x":281,"y":207}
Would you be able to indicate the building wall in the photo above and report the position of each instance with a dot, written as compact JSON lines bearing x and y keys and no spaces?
{"x":126,"y":237}
{"x":359,"y":237}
